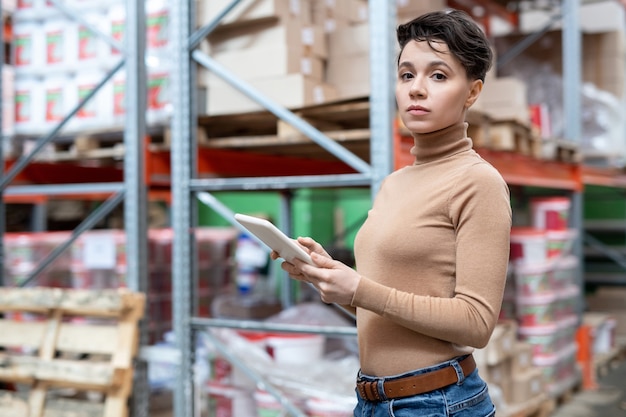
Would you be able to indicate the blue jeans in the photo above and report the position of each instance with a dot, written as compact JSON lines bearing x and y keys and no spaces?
{"x":469,"y":397}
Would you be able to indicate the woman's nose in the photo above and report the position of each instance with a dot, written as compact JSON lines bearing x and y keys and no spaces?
{"x":417,"y":88}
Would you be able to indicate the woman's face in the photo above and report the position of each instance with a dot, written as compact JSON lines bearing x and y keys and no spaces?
{"x":432,"y":88}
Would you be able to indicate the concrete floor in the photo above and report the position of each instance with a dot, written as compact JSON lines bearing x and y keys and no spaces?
{"x":609,"y":400}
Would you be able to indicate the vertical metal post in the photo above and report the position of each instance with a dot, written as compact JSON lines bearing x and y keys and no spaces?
{"x":39,"y":217}
{"x":2,"y":138}
{"x":135,"y":199}
{"x":285,"y":222}
{"x":183,"y":167}
{"x":572,"y":80}
{"x":382,"y":18}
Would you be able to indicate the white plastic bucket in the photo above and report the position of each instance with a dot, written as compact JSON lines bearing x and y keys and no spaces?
{"x":157,"y":25}
{"x":537,"y":310}
{"x":567,"y":302}
{"x":296,"y":348}
{"x":560,"y":242}
{"x":564,"y":271}
{"x":550,"y":213}
{"x":98,"y":111}
{"x":118,"y":99}
{"x":317,"y":407}
{"x":29,"y":105}
{"x":91,"y":50}
{"x":543,"y":339}
{"x":116,"y":22}
{"x":267,"y":405}
{"x":58,"y":99}
{"x":28,"y":46}
{"x":528,"y":246}
{"x":159,"y":106}
{"x":61,"y":42}
{"x":533,"y":279}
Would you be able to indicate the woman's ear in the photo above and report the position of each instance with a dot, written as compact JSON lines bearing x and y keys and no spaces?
{"x":475,"y":88}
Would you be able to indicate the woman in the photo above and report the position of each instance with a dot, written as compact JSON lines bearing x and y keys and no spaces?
{"x":431,"y":258}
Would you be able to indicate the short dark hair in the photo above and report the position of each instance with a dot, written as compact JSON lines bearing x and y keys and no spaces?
{"x":465,"y":39}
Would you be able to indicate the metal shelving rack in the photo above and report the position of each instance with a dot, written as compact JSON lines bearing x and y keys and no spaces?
{"x":185,"y":186}
{"x":132,"y":191}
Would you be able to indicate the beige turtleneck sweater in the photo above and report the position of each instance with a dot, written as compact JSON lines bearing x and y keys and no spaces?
{"x":433,"y":255}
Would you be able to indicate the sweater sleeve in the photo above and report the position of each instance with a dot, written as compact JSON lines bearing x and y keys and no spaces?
{"x":480,"y":212}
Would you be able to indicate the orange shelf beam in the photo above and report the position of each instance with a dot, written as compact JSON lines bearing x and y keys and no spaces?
{"x":229,"y":163}
{"x":609,"y":177}
{"x":517,"y":169}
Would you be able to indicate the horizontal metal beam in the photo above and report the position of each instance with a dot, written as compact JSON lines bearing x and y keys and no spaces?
{"x":280,"y":183}
{"x":64,"y":189}
{"x":200,"y":323}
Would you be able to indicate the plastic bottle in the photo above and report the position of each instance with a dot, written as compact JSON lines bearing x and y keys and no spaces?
{"x":251,"y":258}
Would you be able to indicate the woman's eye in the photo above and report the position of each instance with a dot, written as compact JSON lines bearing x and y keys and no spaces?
{"x":406,"y":76}
{"x":439,"y":76}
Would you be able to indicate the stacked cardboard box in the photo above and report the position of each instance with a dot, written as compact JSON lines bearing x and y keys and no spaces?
{"x":275,"y":47}
{"x":507,"y":363}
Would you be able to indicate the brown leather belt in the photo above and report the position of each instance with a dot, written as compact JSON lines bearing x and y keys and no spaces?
{"x":417,"y":384}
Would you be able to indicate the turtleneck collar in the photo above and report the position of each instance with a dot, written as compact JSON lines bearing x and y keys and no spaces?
{"x":441,"y":143}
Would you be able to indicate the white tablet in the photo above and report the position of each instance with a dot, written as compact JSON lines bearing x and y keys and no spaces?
{"x":272,"y":236}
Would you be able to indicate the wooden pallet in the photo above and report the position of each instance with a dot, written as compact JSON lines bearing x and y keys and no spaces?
{"x":561,"y":150}
{"x":515,"y":137}
{"x":58,"y":339}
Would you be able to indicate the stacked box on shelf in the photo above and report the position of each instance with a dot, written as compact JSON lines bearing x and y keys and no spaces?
{"x":59,"y":61}
{"x":97,"y":260}
{"x":215,"y":254}
{"x":24,"y":251}
{"x":506,"y":363}
{"x":546,"y":291}
{"x":272,"y":45}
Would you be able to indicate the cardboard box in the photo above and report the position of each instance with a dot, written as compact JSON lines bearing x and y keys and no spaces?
{"x":352,"y":40}
{"x":502,"y":342}
{"x":293,"y":35}
{"x":251,"y":11}
{"x":291,"y":91}
{"x":525,"y":386}
{"x":408,"y":10}
{"x":267,"y":61}
{"x":350,"y":75}
{"x":504,"y":99}
{"x":500,"y":375}
{"x":522,"y":359}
